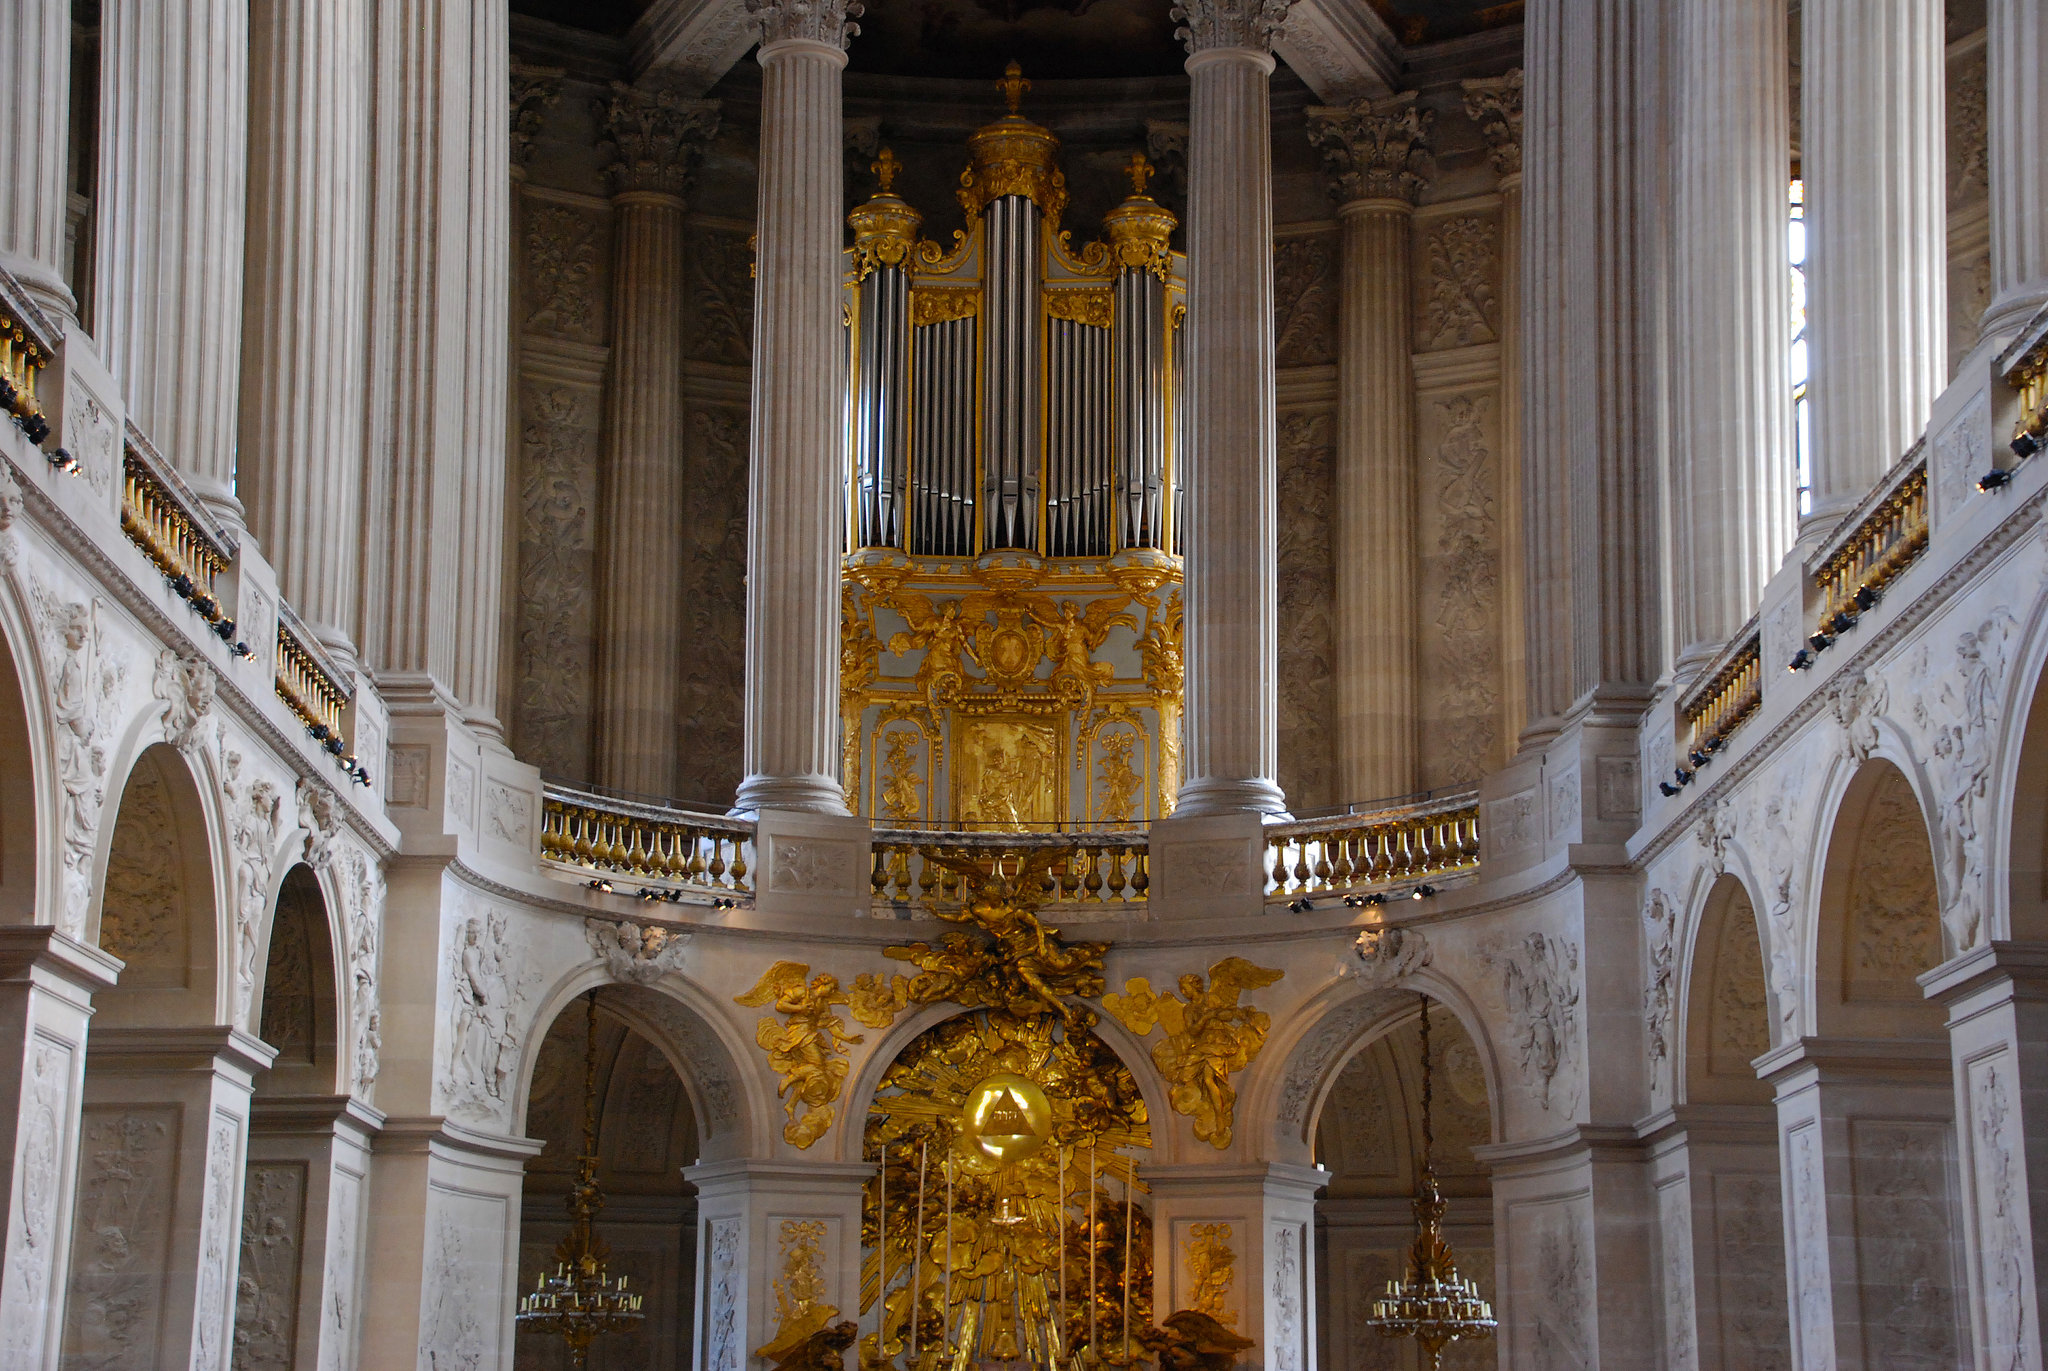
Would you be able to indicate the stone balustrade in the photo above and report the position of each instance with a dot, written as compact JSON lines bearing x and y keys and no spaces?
{"x":2024,"y":365}
{"x":164,"y":518}
{"x":669,"y":848}
{"x":26,"y":346}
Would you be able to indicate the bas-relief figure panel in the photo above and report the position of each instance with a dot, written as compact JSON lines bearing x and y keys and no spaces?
{"x":1307,"y":592}
{"x":120,"y":1237}
{"x":1903,"y":1243}
{"x":267,"y":1288}
{"x":714,"y":602}
{"x":556,"y":647}
{"x":1460,"y":508}
{"x":1749,"y":1272}
{"x":1894,"y":913}
{"x":719,"y":317}
{"x":564,"y":292}
{"x":1740,"y":1020}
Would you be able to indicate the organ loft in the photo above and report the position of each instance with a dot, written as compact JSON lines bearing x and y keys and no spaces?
{"x":1023,"y":685}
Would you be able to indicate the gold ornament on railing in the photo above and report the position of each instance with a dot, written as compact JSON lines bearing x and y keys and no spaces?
{"x":1433,"y":1304}
{"x":580,"y":1301}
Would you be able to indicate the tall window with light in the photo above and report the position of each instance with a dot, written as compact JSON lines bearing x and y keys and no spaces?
{"x":1796,"y":356}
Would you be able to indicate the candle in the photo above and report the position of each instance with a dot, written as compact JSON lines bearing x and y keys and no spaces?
{"x":1094,"y":1348}
{"x":882,"y":1259}
{"x":946,"y":1341}
{"x":1127,"y":1264}
{"x":1061,"y":1232}
{"x":917,"y":1247}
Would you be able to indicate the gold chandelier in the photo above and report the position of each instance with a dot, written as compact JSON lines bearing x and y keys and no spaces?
{"x":579,"y":1300}
{"x":1433,"y":1304}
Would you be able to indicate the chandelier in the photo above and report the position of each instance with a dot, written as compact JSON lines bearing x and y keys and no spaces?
{"x":579,"y":1300}
{"x":1433,"y":1304}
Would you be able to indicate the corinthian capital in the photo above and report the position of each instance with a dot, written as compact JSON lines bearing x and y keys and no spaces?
{"x":1207,"y":24}
{"x":657,"y":135}
{"x":1372,"y":149}
{"x":1495,"y":104}
{"x":534,"y":92}
{"x":820,"y":21}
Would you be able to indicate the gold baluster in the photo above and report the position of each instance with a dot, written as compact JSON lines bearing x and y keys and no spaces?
{"x":1117,"y":882}
{"x":1141,"y":872}
{"x":1092,"y":882}
{"x":1279,"y":846}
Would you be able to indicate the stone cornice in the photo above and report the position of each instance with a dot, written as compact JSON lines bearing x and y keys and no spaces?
{"x":692,"y":42}
{"x":1342,"y":52}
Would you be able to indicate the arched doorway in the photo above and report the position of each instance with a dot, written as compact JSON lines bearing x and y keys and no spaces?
{"x":1369,"y":1136}
{"x":647,"y":1134}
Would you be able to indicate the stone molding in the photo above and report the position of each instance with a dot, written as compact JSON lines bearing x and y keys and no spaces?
{"x":816,"y":21}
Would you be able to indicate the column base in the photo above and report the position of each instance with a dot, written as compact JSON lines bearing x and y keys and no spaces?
{"x":813,"y":794}
{"x":1215,"y":795}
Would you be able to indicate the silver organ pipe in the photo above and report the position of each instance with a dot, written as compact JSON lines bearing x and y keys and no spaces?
{"x":881,"y":431}
{"x":1011,"y":418}
{"x":942,"y":439}
{"x":1141,"y":377}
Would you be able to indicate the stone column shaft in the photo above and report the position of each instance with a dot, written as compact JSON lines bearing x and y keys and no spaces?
{"x":174,"y":95}
{"x":1376,"y":552}
{"x":797,"y":451}
{"x":301,"y":434}
{"x":35,"y":120}
{"x":2016,"y":53}
{"x":1733,"y":502}
{"x":1872,"y":154}
{"x":1231,"y":473}
{"x":640,"y":645}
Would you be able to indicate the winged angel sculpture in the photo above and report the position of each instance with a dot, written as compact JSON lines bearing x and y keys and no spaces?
{"x":1209,"y":1036}
{"x":807,"y":1049}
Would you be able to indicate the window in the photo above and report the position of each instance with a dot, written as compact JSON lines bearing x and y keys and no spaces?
{"x":1796,"y":355}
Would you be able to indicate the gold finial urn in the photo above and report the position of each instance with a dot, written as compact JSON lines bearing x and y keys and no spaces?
{"x":1140,"y":227}
{"x":1013,"y":156}
{"x":885,"y":228}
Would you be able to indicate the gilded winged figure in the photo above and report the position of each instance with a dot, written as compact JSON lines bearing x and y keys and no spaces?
{"x":1209,"y":1038}
{"x":808,"y":1051}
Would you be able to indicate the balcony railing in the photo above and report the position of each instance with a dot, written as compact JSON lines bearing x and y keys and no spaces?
{"x":1105,"y":868}
{"x":645,"y":842}
{"x":313,"y":687}
{"x":164,"y":519}
{"x":26,"y":345}
{"x":1875,"y":546}
{"x":1369,"y":851}
{"x":1726,"y":698}
{"x":2025,"y":365}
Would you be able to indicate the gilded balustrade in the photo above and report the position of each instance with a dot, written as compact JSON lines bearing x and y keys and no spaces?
{"x":600,"y":834}
{"x":1889,"y":537}
{"x":310,"y":685}
{"x":2028,"y":374}
{"x":1363,"y":851}
{"x":1726,"y":699}
{"x":162,"y":518}
{"x":23,"y":354}
{"x":1108,"y":868}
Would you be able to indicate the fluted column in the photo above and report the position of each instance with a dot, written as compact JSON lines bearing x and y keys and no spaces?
{"x":2015,"y":54}
{"x":657,"y":135}
{"x":1370,"y":150}
{"x":1495,"y":104}
{"x":174,"y":107}
{"x":35,"y":119}
{"x":1733,"y":482}
{"x":1233,"y":689}
{"x":434,"y":498}
{"x":794,"y":509}
{"x":301,"y":444}
{"x":1872,"y":154}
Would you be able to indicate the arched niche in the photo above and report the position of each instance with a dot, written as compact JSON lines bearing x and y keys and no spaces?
{"x":1727,"y":1002}
{"x":1879,"y":914}
{"x":19,"y":812}
{"x":300,"y":1012}
{"x":647,"y":1134}
{"x":2027,"y":840}
{"x":1368,"y":1133}
{"x":157,"y":909}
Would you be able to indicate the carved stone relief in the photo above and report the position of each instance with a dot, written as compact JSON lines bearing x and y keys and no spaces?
{"x":637,"y":954}
{"x":1894,"y":926}
{"x":1305,"y":300}
{"x":1307,"y":590}
{"x":1355,"y":1135}
{"x":1312,"y":1060}
{"x":287,"y":1018}
{"x":32,"y":1228}
{"x":715,"y":601}
{"x":721,"y":297}
{"x":1674,"y":1221}
{"x":186,"y":686}
{"x":1903,"y":1260}
{"x":319,"y":821}
{"x":1458,"y":305}
{"x":1386,"y":956}
{"x":1749,"y":1250}
{"x":142,"y":913}
{"x":1560,"y":1299}
{"x":338,"y":1283}
{"x":699,"y":1047}
{"x":563,"y":247}
{"x":2002,"y":1210}
{"x":724,"y":1339}
{"x":267,"y":1288}
{"x":1540,"y":994}
{"x":1660,"y":927}
{"x":1287,"y":1348}
{"x":508,"y":814}
{"x":1969,"y":131}
{"x":364,"y":880}
{"x":121,"y":1237}
{"x":1461,"y":592}
{"x":253,"y":810}
{"x":1740,"y":1024}
{"x":454,"y":1336}
{"x":1813,"y":1305}
{"x":555,"y":647}
{"x":1957,"y":712}
{"x":85,"y":685}
{"x":212,"y":1308}
{"x":490,"y":986}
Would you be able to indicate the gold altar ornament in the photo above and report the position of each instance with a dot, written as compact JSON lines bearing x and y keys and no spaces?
{"x":1007,"y":1117}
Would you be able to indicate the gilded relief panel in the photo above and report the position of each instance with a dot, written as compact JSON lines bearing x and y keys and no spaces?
{"x":1007,"y":773}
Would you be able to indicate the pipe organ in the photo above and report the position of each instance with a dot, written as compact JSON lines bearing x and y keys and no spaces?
{"x":1011,"y":606}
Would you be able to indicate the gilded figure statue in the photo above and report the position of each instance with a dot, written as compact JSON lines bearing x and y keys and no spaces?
{"x":1190,"y":1340}
{"x":808,"y":1050}
{"x":811,"y":1343}
{"x":1073,"y":636}
{"x":1209,"y":1038}
{"x":944,"y":635}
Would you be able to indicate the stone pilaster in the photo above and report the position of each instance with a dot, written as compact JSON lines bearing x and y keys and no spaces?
{"x":2016,"y":49}
{"x":1265,"y":1214}
{"x":1732,"y":502}
{"x":657,"y":135}
{"x":35,"y":118}
{"x":438,"y":254}
{"x":794,"y":515}
{"x":1495,"y":104}
{"x":1872,"y":152}
{"x":300,"y":474}
{"x":764,"y":1226}
{"x":1371,"y":149}
{"x":46,"y":986}
{"x":174,"y":104}
{"x":1230,"y":535}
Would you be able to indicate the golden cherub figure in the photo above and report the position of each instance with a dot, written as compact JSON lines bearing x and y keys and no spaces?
{"x":1209,"y":1037}
{"x":809,"y":1050}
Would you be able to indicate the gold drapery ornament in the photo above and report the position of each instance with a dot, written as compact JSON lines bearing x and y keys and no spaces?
{"x":580,"y":1301}
{"x":1094,"y":306}
{"x":1432,"y":1304}
{"x":1209,"y":1037}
